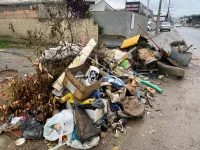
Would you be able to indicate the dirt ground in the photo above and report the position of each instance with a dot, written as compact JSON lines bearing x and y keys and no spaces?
{"x":172,"y":123}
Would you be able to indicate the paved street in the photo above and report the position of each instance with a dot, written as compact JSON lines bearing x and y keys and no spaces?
{"x":192,"y":36}
{"x":13,"y":58}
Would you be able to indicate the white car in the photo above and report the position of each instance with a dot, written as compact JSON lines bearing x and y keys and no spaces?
{"x":196,"y":25}
{"x":165,"y":26}
{"x":177,"y":25}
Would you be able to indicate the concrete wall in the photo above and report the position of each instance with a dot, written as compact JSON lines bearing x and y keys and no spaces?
{"x":54,"y":7}
{"x":119,"y":22}
{"x":21,"y":27}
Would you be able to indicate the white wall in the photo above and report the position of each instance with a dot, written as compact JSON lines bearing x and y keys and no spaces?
{"x":100,"y":6}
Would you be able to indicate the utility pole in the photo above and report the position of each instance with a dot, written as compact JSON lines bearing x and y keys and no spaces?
{"x":158,"y":18}
{"x":147,"y":13}
{"x":168,"y":13}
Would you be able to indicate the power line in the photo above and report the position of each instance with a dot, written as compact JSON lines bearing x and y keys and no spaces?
{"x":166,"y":6}
{"x":150,"y":4}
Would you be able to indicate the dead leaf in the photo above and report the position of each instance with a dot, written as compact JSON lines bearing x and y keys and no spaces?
{"x":116,"y":148}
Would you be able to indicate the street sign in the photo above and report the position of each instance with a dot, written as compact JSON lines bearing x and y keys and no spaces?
{"x":133,"y":6}
{"x":138,"y":7}
{"x":132,"y":21}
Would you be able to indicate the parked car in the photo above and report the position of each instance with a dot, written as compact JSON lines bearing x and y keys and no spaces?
{"x":177,"y":25}
{"x":190,"y":25}
{"x":165,"y":26}
{"x":196,"y":25}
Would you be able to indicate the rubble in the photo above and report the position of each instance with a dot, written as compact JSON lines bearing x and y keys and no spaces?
{"x":95,"y":91}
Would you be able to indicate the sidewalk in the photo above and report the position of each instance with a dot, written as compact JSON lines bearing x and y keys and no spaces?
{"x":163,"y":39}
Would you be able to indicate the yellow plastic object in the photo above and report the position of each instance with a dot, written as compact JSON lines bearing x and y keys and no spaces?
{"x":69,"y":97}
{"x":89,"y":101}
{"x":131,"y":41}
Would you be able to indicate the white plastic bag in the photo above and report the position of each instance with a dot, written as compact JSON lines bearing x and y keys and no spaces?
{"x":66,"y":121}
{"x":15,"y":120}
{"x":87,"y":145}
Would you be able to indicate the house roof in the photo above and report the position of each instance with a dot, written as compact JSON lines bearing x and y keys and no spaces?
{"x":13,"y":2}
{"x":108,"y":7}
{"x":116,"y":4}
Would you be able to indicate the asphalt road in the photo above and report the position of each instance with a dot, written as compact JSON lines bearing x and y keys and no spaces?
{"x":192,"y":37}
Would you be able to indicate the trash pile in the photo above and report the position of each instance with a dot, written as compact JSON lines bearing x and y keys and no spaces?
{"x":96,"y":90}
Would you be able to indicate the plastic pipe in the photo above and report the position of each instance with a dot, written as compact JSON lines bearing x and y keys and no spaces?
{"x":152,"y":85}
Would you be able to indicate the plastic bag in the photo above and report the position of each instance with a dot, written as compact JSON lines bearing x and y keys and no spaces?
{"x":92,"y":74}
{"x":32,"y":129}
{"x":87,"y":145}
{"x":66,"y":117}
{"x":116,"y":82}
{"x":66,"y":121}
{"x":15,"y":120}
{"x":125,"y":64}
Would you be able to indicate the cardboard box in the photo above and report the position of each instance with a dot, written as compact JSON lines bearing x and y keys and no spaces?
{"x":77,"y":88}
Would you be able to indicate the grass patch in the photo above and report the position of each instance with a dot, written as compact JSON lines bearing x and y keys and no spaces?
{"x":4,"y":43}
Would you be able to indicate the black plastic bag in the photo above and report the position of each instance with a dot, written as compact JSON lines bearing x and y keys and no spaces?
{"x":32,"y":129}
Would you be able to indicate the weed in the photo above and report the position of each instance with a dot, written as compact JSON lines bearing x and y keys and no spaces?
{"x":88,"y":15}
{"x":4,"y":43}
{"x":100,"y":29}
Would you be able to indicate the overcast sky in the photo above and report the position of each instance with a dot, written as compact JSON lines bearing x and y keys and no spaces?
{"x":178,"y":7}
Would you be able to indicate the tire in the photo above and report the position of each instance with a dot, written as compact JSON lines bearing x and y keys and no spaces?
{"x":160,"y":30}
{"x":169,"y":30}
{"x":170,"y":70}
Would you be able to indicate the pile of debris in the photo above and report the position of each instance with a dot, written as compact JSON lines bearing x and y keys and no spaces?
{"x":96,"y":90}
